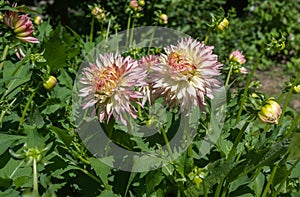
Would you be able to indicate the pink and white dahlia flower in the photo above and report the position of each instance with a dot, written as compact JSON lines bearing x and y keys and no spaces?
{"x":110,"y":86}
{"x":187,"y":74}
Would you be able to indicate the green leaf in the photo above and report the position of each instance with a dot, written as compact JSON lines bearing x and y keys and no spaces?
{"x":108,"y":193}
{"x":19,"y":74}
{"x":50,"y":109}
{"x":62,"y":134}
{"x":258,"y":184}
{"x":294,"y":147}
{"x":10,"y":193}
{"x":55,"y":51}
{"x":65,"y":79}
{"x":6,"y":141}
{"x":102,"y":170}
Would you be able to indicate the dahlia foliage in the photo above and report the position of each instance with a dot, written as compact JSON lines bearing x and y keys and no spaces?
{"x":184,"y":76}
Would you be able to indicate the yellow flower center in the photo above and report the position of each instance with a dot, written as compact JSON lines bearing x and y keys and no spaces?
{"x":106,"y":82}
{"x":181,"y":63}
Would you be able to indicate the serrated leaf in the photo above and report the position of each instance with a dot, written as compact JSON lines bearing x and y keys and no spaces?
{"x":294,"y":147}
{"x":10,"y":193}
{"x":6,"y":140}
{"x":102,"y":170}
{"x":51,"y":109}
{"x":62,"y":135}
{"x":108,"y":193}
{"x":65,"y":79}
{"x":55,"y":51}
{"x":21,"y":74}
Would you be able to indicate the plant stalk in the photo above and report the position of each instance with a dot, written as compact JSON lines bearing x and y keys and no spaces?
{"x":270,"y":181}
{"x":250,"y":76}
{"x":4,"y":56}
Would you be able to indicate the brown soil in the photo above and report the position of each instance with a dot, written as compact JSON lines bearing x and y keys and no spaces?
{"x":273,"y":82}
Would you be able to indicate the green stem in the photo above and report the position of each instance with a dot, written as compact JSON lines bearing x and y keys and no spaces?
{"x":25,"y":109}
{"x":4,"y":56}
{"x":127,"y":31}
{"x":35,"y":179}
{"x":243,"y":100}
{"x":205,"y":189}
{"x":288,"y":97}
{"x":131,"y":33}
{"x":270,"y":181}
{"x":92,"y":29}
{"x":151,"y":39}
{"x":296,"y":122}
{"x":228,"y":75}
{"x":167,"y":143}
{"x":230,"y":156}
{"x":285,"y":177}
{"x":237,"y":140}
{"x":207,"y":37}
{"x":108,"y":28}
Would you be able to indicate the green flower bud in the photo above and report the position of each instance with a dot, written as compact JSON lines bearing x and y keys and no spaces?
{"x":50,"y":83}
{"x":163,"y":19}
{"x":296,"y":89}
{"x":270,"y":112}
{"x":223,"y":24}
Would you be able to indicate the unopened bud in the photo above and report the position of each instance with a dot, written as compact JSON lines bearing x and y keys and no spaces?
{"x":133,"y":4}
{"x":270,"y":112}
{"x":99,"y":13}
{"x":50,"y":83}
{"x":296,"y":89}
{"x":223,"y":24}
{"x":38,"y":20}
{"x":141,"y":3}
{"x":163,"y":19}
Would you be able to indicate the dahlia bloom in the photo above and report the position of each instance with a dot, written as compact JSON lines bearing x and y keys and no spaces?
{"x":147,"y":63}
{"x":110,"y":86}
{"x":21,"y":26}
{"x":270,"y":112}
{"x":187,"y":73}
{"x":238,"y":57}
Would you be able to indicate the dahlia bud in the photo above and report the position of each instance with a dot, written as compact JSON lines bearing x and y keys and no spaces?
{"x":1,"y":17}
{"x":134,"y":5}
{"x":296,"y":89}
{"x":38,"y":20}
{"x":237,"y":56}
{"x":163,"y":19}
{"x":223,"y":24}
{"x":141,"y":3}
{"x":270,"y":112}
{"x":50,"y":83}
{"x":99,"y":13}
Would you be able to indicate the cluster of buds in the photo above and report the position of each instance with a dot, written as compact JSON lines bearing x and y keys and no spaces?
{"x":270,"y":111}
{"x":197,"y":175}
{"x":99,"y":13}
{"x":21,"y":26}
{"x":237,"y":59}
{"x":136,"y":5}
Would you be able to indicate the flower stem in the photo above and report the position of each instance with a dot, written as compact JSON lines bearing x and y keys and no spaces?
{"x":92,"y":29}
{"x":35,"y":179}
{"x":237,"y":140}
{"x":4,"y":56}
{"x":127,"y":31}
{"x":167,"y":143}
{"x":151,"y":39}
{"x":270,"y":181}
{"x":288,"y":97}
{"x":228,"y":75}
{"x":230,"y":156}
{"x":243,"y":100}
{"x":25,"y":109}
{"x":285,"y":177}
